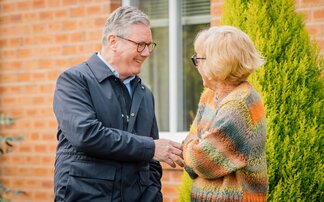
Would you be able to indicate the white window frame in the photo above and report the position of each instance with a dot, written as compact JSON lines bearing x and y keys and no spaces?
{"x":175,"y":73}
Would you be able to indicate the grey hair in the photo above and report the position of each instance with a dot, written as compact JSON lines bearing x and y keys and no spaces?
{"x":119,"y":21}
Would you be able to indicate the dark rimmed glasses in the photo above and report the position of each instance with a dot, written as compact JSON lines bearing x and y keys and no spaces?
{"x":195,"y":60}
{"x":141,"y":45}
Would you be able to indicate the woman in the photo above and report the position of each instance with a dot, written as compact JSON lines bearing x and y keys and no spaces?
{"x":225,"y":152}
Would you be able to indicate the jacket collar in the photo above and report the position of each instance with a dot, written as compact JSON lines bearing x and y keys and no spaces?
{"x":99,"y":68}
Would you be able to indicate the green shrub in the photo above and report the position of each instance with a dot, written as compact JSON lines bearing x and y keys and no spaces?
{"x":6,"y":146}
{"x":184,"y":190}
{"x":292,"y":89}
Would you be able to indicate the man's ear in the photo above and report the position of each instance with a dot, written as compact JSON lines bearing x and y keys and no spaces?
{"x":112,"y":42}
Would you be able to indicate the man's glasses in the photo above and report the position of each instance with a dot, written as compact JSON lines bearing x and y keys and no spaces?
{"x":141,"y":45}
{"x":195,"y":60}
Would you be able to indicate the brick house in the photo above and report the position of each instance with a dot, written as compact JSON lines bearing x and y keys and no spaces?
{"x":41,"y":38}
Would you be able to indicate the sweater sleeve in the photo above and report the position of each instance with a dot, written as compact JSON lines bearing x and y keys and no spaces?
{"x":223,"y":148}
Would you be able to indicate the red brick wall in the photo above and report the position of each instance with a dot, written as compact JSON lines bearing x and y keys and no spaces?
{"x":38,"y":40}
{"x":313,"y":11}
{"x":171,"y":180}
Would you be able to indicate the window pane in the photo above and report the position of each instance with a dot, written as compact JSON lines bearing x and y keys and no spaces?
{"x":192,"y":82}
{"x":195,"y":16}
{"x":155,"y":9}
{"x":155,"y":74}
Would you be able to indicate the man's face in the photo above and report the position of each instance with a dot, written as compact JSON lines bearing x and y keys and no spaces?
{"x":128,"y":61}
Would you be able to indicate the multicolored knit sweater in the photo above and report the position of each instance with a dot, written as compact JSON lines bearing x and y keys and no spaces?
{"x":225,"y":149}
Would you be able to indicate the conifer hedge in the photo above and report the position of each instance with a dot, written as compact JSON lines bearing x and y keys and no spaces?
{"x":291,"y":84}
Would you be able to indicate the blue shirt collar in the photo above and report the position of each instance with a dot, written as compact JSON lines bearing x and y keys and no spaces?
{"x":126,"y":81}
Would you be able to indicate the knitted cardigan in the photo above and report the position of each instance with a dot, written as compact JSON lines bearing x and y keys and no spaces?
{"x":224,"y":152}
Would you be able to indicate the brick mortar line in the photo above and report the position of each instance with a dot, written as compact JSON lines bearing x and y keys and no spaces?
{"x":28,"y":166}
{"x":46,"y":30}
{"x":21,"y":95}
{"x":12,"y":130}
{"x":28,"y":154}
{"x":25,"y":106}
{"x":19,"y":106}
{"x":36,"y":142}
{"x":48,"y":45}
{"x":23,"y":187}
{"x":25,"y":154}
{"x":51,"y":34}
{"x":32,"y":152}
{"x":319,"y":37}
{"x":51,"y":44}
{"x":30,"y":71}
{"x":302,"y":9}
{"x":27,"y":177}
{"x":31,"y":190}
{"x":53,"y":57}
{"x":53,"y":130}
{"x":55,"y":8}
{"x":38,"y":156}
{"x":53,"y":18}
{"x":41,"y":130}
{"x":309,"y":7}
{"x":29,"y":95}
{"x":314,"y":23}
{"x":63,"y":31}
{"x":28,"y":47}
{"x":31,"y":107}
{"x":25,"y":83}
{"x":3,"y":25}
{"x":18,"y":83}
{"x":50,"y":117}
{"x":73,"y":31}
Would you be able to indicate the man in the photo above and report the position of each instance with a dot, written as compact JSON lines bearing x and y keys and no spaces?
{"x":108,"y":147}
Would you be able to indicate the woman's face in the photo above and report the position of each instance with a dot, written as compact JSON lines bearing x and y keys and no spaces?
{"x":200,"y":67}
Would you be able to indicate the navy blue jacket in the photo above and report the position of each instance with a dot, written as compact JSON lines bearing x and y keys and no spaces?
{"x":104,"y":152}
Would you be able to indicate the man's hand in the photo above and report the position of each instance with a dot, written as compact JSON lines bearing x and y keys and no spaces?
{"x":169,"y":152}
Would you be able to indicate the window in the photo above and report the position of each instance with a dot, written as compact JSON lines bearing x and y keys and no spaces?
{"x":169,"y":73}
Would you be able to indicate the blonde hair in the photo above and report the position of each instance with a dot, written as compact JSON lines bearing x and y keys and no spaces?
{"x":231,"y":55}
{"x":199,"y":44}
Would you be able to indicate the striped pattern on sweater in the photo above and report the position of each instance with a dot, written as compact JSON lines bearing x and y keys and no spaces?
{"x":225,"y":149}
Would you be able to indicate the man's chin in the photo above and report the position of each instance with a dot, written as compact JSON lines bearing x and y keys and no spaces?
{"x":137,"y":70}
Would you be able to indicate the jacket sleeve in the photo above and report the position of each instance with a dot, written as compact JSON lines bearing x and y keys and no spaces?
{"x":223,"y":148}
{"x":78,"y":122}
{"x":153,"y":191}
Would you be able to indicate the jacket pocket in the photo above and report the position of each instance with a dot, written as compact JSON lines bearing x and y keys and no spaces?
{"x":92,"y":170}
{"x":90,"y":181}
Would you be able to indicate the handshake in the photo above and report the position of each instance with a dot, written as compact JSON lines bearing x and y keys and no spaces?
{"x":169,"y":152}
